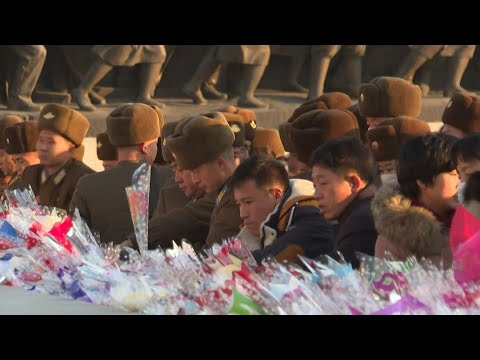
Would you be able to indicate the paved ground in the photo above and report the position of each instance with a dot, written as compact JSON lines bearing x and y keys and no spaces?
{"x":280,"y":107}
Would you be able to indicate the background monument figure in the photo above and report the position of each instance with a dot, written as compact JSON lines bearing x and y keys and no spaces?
{"x":151,"y":58}
{"x":419,"y":55}
{"x":254,"y":57}
{"x":30,"y":60}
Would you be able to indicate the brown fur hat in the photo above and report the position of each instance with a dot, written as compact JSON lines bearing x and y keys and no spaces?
{"x":200,"y":139}
{"x":317,"y":127}
{"x":389,"y":97}
{"x":333,"y":100}
{"x":21,"y":137}
{"x":386,"y":140}
{"x":5,"y":122}
{"x":69,"y":123}
{"x":463,"y":113}
{"x":132,"y":124}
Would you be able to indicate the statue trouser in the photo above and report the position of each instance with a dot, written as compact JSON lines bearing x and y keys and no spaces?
{"x":252,"y":76}
{"x":205,"y":70}
{"x":209,"y":86}
{"x":296,"y":63}
{"x":409,"y":66}
{"x":348,"y":76}
{"x":423,"y":77}
{"x":318,"y":74}
{"x":147,"y":83}
{"x":352,"y":74}
{"x":29,"y":67}
{"x":94,"y":75}
{"x":458,"y":65}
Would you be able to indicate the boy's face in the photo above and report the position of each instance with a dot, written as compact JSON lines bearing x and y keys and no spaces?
{"x":442,"y":194}
{"x":255,"y":204}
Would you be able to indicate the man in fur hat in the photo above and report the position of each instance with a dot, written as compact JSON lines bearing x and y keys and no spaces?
{"x":183,"y":210}
{"x":6,"y":163}
{"x":327,"y":101}
{"x":101,"y":199}
{"x":53,"y":181}
{"x":203,"y":144}
{"x":386,"y":140}
{"x":21,"y":144}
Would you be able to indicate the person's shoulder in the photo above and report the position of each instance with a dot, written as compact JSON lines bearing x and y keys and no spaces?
{"x":162,"y":169}
{"x":78,"y":167}
{"x":32,"y":171}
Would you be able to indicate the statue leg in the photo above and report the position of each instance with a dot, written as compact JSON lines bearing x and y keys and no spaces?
{"x":411,"y":64}
{"x":97,"y":72}
{"x":424,"y":76}
{"x":204,"y":71}
{"x":209,"y":86}
{"x":318,"y":75}
{"x":296,"y":63}
{"x":148,"y":81}
{"x":252,"y":76}
{"x":29,"y":67}
{"x":458,"y":67}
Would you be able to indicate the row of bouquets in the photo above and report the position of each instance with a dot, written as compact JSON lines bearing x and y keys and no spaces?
{"x":46,"y":251}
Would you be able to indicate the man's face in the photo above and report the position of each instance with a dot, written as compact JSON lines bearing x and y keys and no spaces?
{"x":333,"y":192}
{"x":208,"y":177}
{"x":255,"y":204}
{"x":467,"y":168}
{"x":6,"y":163}
{"x":22,"y":161}
{"x":185,"y":182}
{"x":441,"y":196}
{"x":53,"y":149}
{"x":450,"y":130}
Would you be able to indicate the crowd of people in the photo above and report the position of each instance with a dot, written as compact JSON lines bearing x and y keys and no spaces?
{"x":338,"y":178}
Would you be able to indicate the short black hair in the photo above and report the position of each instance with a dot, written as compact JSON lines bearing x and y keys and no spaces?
{"x":423,"y":158}
{"x":472,"y":188}
{"x":346,"y":153}
{"x":265,"y":171}
{"x":467,"y":148}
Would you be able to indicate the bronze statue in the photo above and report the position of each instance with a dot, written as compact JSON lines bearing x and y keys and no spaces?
{"x":255,"y":59}
{"x":150,"y":58}
{"x":29,"y":66}
{"x":296,"y":55}
{"x":321,"y":56}
{"x":420,"y":55}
